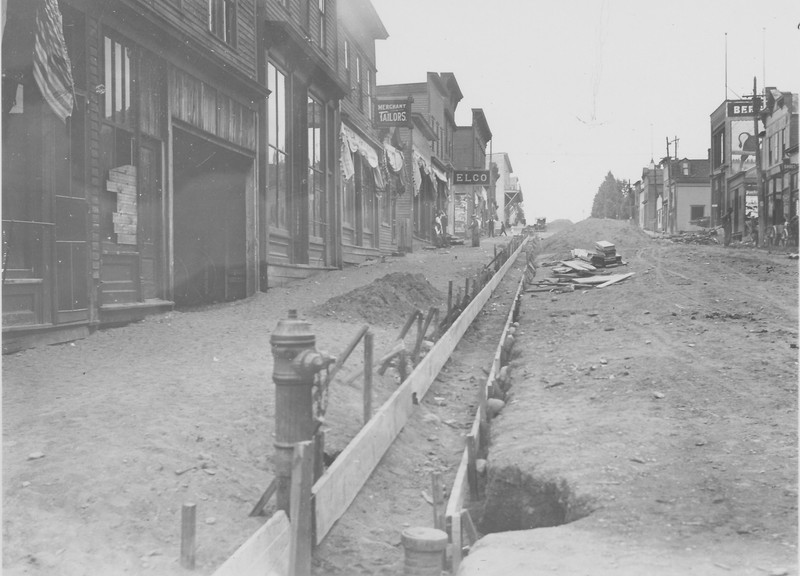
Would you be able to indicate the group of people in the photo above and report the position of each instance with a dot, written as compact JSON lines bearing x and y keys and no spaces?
{"x":441,"y":239}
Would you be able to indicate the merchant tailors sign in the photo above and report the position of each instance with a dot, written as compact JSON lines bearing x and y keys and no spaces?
{"x":392,"y":113}
{"x":475,"y":177}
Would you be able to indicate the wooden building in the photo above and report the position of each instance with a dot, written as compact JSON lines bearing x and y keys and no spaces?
{"x":368,"y":198}
{"x":428,"y":145}
{"x":299,"y":51}
{"x":145,"y":197}
{"x":469,"y":151}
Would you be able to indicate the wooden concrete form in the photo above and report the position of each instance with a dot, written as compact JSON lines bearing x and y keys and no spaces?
{"x":338,"y":487}
{"x":265,"y":552}
{"x":466,"y":475}
{"x":268,"y":550}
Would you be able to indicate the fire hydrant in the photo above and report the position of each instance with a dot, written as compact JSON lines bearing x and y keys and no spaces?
{"x":295,"y":366}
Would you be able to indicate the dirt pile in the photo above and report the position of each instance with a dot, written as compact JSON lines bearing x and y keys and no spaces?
{"x":387,"y":300}
{"x":626,"y":237}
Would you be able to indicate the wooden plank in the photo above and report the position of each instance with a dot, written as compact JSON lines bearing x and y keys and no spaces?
{"x":472,"y":469}
{"x":265,"y":552}
{"x":578,"y":265}
{"x":119,"y":187}
{"x":367,"y":399}
{"x":300,"y":510}
{"x":469,"y":526}
{"x":618,"y":278}
{"x":457,"y":542}
{"x":600,"y":279}
{"x":438,"y":500}
{"x":338,"y":487}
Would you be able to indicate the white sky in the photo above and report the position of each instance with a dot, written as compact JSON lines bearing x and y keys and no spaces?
{"x":574,"y":88}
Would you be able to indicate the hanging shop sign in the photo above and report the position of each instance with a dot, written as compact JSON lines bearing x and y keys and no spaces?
{"x":476,"y":177}
{"x":743,"y":107}
{"x":392,"y":113}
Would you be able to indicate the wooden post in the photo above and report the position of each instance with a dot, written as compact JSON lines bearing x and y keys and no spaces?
{"x":368,"y":343}
{"x":449,"y":297}
{"x":401,"y":365}
{"x":346,"y":354}
{"x":319,"y":454}
{"x":466,"y":289}
{"x":472,"y":470}
{"x":438,"y":500}
{"x":455,"y":538}
{"x":408,"y":324}
{"x":418,"y":341}
{"x":188,"y":531}
{"x":300,"y":510}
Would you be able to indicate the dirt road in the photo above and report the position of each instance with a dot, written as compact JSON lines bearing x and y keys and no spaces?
{"x":654,"y":423}
{"x":104,"y":439}
{"x":655,"y":420}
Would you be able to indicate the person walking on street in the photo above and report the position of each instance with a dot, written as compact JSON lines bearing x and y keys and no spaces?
{"x":491,"y":227}
{"x":437,"y":230}
{"x":445,"y":236}
{"x":503,"y":229}
{"x":726,"y":227}
{"x":475,"y":227}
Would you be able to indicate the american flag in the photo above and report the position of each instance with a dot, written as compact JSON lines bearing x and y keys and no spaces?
{"x":51,"y":66}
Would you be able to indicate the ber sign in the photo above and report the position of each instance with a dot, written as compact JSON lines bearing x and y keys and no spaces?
{"x":472,"y":177}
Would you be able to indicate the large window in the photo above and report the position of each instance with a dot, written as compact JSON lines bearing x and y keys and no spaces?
{"x":347,"y":65}
{"x":697,"y":212}
{"x":369,"y":93}
{"x":359,"y":87}
{"x":316,"y":171}
{"x":222,"y":20}
{"x":322,"y":36}
{"x":278,"y":192}
{"x":117,"y":84}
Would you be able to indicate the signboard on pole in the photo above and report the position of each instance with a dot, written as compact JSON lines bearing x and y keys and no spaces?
{"x":390,"y":113}
{"x":471,"y":177}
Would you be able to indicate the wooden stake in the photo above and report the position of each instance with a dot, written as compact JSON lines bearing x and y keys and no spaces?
{"x":300,"y":510}
{"x":438,"y":500}
{"x":319,"y":454}
{"x":472,"y":469}
{"x":368,"y":339}
{"x":346,"y":354}
{"x":262,"y":502}
{"x":408,"y":324}
{"x":469,"y":526}
{"x":449,"y":297}
{"x":188,"y":531}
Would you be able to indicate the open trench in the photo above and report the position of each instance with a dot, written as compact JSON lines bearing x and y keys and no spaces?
{"x":366,"y":540}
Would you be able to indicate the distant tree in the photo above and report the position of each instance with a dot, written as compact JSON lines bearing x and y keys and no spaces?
{"x":608,"y":200}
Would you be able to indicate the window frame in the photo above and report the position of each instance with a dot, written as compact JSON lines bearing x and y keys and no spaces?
{"x":277,"y":125}
{"x":226,"y":30}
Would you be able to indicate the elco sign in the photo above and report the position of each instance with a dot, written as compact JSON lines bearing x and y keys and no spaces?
{"x":477,"y":177}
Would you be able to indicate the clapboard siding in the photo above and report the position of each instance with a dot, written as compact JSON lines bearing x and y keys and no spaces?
{"x":306,"y":24}
{"x":209,"y":109}
{"x":191,"y":19}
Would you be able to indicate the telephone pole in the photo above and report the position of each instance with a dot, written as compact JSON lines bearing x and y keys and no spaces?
{"x":762,"y":203}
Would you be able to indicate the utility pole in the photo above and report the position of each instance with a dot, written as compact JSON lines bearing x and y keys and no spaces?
{"x":672,"y":206}
{"x":762,"y":201}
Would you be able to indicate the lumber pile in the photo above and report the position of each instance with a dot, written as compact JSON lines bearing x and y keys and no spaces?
{"x":583,"y":270}
{"x":699,"y":237}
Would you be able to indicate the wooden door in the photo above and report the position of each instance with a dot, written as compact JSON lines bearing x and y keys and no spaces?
{"x":149,"y":208}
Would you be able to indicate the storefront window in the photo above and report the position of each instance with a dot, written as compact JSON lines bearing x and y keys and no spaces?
{"x":278,"y":192}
